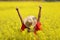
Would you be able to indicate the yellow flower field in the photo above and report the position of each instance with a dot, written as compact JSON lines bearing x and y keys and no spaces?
{"x":10,"y":23}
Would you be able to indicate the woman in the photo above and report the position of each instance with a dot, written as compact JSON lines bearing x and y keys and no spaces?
{"x":31,"y":21}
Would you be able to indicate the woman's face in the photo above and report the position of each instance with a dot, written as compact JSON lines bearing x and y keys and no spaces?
{"x":30,"y":21}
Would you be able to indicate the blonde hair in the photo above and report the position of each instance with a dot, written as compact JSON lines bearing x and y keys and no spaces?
{"x":30,"y":19}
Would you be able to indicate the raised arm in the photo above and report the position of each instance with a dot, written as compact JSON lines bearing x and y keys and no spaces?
{"x":19,"y":15}
{"x":39,"y":14}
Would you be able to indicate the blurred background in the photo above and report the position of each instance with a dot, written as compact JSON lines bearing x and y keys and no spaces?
{"x":10,"y":24}
{"x":29,"y":0}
